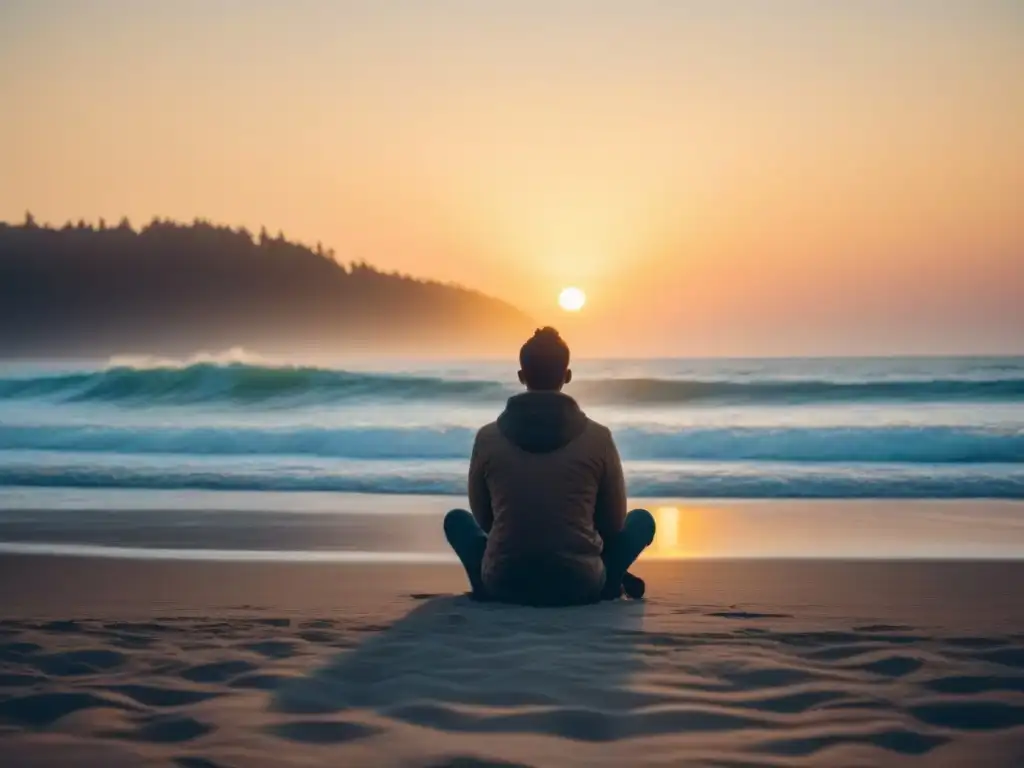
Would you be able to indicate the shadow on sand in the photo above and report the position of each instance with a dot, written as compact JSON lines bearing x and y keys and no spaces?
{"x":458,"y":665}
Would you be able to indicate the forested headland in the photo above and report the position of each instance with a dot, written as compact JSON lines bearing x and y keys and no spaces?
{"x":90,"y":289}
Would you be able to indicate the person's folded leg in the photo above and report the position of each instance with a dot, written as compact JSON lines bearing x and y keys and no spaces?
{"x":625,"y":547}
{"x":469,"y":542}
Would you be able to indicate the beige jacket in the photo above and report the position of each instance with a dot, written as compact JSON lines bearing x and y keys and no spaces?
{"x":546,"y":484}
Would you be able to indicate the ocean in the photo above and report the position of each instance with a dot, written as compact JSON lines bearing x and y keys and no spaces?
{"x":240,"y":432}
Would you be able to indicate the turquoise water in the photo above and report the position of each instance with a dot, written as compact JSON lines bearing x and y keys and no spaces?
{"x":803,"y":428}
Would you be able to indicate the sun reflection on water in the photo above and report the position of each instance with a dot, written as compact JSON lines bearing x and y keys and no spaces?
{"x":679,"y":532}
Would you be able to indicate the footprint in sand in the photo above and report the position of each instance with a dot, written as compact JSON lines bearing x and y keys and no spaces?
{"x":156,"y":696}
{"x":217,"y":672}
{"x":71,"y":663}
{"x":273,"y":649}
{"x":166,"y":730}
{"x":970,"y":715}
{"x":39,"y":710}
{"x":322,"y":731}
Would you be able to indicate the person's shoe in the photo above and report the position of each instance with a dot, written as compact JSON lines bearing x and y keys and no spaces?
{"x":633,"y":586}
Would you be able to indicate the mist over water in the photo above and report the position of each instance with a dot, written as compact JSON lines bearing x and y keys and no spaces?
{"x":842,"y":428}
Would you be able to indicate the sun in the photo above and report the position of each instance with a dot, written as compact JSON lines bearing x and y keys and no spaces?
{"x":572,"y":299}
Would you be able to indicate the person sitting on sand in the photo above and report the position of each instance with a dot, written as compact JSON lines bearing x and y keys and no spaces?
{"x":548,"y":498}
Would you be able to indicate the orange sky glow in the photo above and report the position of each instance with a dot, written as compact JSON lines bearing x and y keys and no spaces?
{"x":734,"y":178}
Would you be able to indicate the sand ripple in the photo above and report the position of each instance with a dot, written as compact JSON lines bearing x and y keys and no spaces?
{"x":452,"y":683}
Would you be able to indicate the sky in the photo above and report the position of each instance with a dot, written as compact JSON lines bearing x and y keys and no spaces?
{"x":721,"y":178}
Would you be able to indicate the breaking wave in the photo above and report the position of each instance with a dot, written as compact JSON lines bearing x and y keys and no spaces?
{"x":646,"y":479}
{"x":883,"y":444}
{"x":240,"y":383}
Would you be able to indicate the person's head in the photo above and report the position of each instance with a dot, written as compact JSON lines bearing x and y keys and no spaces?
{"x":544,"y":361}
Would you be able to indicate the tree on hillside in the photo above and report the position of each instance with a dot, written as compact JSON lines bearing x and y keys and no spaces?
{"x":172,"y":287}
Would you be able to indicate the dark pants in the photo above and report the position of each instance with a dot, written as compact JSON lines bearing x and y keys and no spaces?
{"x":469,"y":542}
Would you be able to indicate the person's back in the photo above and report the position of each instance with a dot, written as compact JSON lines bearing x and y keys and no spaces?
{"x":552,"y":481}
{"x":547,"y":495}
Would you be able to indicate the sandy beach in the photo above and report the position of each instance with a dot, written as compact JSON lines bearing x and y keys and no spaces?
{"x":727,"y":663}
{"x":314,"y":313}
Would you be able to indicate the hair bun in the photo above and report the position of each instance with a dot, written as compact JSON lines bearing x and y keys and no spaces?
{"x":547,"y":330}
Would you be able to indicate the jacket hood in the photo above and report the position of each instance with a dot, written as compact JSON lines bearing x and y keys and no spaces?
{"x":541,"y":422}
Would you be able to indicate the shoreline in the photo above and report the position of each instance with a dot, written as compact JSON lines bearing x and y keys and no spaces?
{"x":425,"y":559}
{"x":408,"y":529}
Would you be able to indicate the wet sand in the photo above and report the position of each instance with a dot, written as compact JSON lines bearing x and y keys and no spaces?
{"x":359,"y":527}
